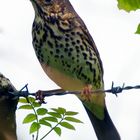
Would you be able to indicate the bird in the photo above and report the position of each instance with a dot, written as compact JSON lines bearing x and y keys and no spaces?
{"x":69,"y":56}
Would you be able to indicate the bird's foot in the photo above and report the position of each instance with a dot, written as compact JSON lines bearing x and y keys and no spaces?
{"x":86,"y":93}
{"x":39,"y":96}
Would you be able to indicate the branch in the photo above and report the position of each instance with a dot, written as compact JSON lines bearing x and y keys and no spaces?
{"x":7,"y":110}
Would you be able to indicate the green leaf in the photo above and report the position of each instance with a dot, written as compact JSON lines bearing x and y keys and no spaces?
{"x":61,"y":110}
{"x":58,"y":130}
{"x":25,"y":107}
{"x":71,"y":113}
{"x":31,"y":99}
{"x":41,"y":111}
{"x":72,"y":119}
{"x":29,"y":118}
{"x":54,"y":109}
{"x":67,"y":125}
{"x":43,"y":122}
{"x":34,"y":127}
{"x":52,"y":119}
{"x":55,"y":114}
{"x":138,"y":29}
{"x":23,"y":100}
{"x":129,"y":5}
{"x":36,"y":104}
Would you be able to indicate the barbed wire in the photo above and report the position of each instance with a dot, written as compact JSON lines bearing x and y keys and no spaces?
{"x":24,"y":92}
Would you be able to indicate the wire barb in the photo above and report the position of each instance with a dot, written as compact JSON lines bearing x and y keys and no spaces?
{"x":115,"y":90}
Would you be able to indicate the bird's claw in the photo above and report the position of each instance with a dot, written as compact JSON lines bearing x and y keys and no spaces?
{"x":39,"y":96}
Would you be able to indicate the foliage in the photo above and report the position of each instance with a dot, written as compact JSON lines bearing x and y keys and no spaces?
{"x":138,"y":29}
{"x":54,"y":118}
{"x":130,"y":5}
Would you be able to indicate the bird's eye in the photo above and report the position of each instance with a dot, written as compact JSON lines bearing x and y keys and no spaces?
{"x":48,"y":1}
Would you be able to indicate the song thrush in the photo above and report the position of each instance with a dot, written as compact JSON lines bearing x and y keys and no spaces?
{"x":68,"y":55}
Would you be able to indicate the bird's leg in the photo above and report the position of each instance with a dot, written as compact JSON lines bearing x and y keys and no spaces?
{"x":86,"y":93}
{"x":39,"y":96}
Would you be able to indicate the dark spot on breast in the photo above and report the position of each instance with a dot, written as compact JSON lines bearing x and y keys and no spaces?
{"x":84,"y":43}
{"x":78,"y":50}
{"x":62,"y":56}
{"x":73,"y":43}
{"x":78,"y":55}
{"x":88,"y":80}
{"x":77,"y":47}
{"x":61,"y":45}
{"x":56,"y":56}
{"x":71,"y":38}
{"x":94,"y":74}
{"x":92,"y":59}
{"x":71,"y":49}
{"x":57,"y":51}
{"x":72,"y":33}
{"x":66,"y":50}
{"x":78,"y":41}
{"x":39,"y":51}
{"x":41,"y":43}
{"x":69,"y":54}
{"x":35,"y":39}
{"x":80,"y":70}
{"x":74,"y":69}
{"x":41,"y":60}
{"x":84,"y":76}
{"x":99,"y":78}
{"x":56,"y":42}
{"x":38,"y":31}
{"x":36,"y":49}
{"x":44,"y":37}
{"x":51,"y":52}
{"x":73,"y":58}
{"x":50,"y":44}
{"x":68,"y":65}
{"x":67,"y":35}
{"x":63,"y":63}
{"x":78,"y":33}
{"x":82,"y":47}
{"x":90,"y":66}
{"x":90,"y":53}
{"x":52,"y":33}
{"x":87,"y":48}
{"x":67,"y":45}
{"x":85,"y":55}
{"x":78,"y":61}
{"x":66,"y":39}
{"x":41,"y":55}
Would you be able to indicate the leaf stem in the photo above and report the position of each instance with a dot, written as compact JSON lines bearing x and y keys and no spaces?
{"x":53,"y":128}
{"x":37,"y":133}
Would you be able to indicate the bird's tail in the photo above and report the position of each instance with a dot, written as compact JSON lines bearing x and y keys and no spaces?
{"x":104,"y":129}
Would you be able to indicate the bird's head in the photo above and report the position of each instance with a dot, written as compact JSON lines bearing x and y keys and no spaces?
{"x":57,"y":8}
